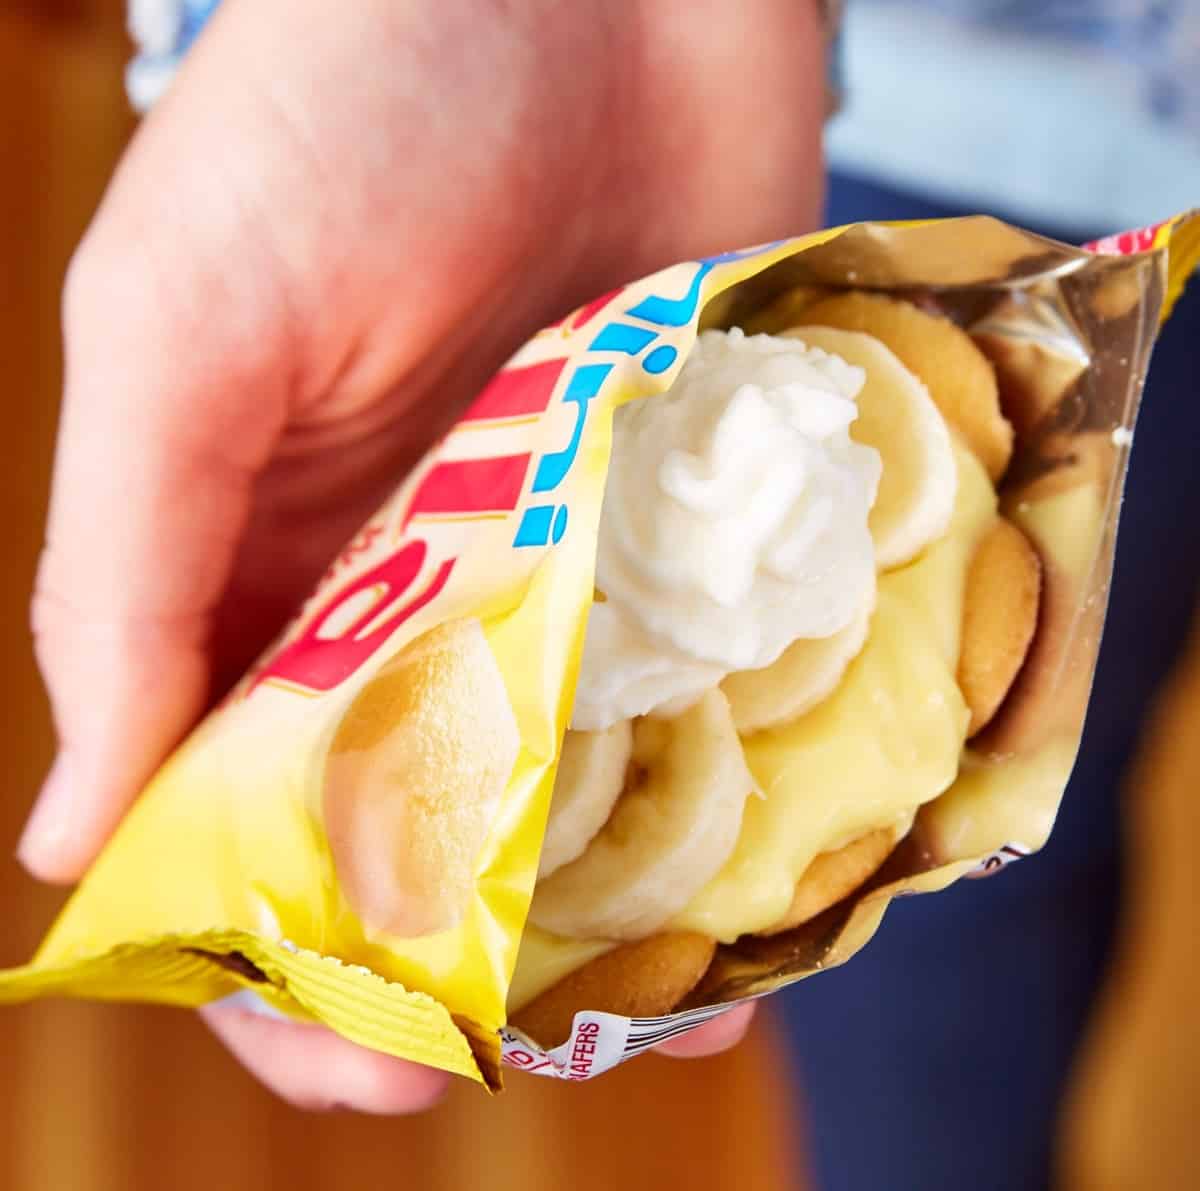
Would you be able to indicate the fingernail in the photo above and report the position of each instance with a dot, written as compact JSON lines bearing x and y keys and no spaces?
{"x":49,"y":821}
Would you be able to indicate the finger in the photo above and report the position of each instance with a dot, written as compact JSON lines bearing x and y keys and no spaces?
{"x":156,"y":458}
{"x":173,"y":400}
{"x":713,"y":1037}
{"x":312,"y":1068}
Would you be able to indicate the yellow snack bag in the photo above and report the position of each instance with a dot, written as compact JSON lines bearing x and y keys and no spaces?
{"x":354,"y":835}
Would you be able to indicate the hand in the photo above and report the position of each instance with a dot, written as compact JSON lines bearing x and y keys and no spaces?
{"x":335,"y":227}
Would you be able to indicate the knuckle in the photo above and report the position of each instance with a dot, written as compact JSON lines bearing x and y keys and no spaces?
{"x":49,"y":615}
{"x":84,"y":283}
{"x":45,"y":607}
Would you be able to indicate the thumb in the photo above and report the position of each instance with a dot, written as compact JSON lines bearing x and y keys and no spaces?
{"x":171,"y":407}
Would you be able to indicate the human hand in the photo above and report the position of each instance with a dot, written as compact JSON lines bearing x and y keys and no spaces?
{"x":333,"y":229}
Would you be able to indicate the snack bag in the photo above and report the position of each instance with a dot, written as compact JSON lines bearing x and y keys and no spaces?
{"x":841,"y":618}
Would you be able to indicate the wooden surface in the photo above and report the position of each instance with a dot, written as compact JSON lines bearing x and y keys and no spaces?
{"x":97,"y":1098}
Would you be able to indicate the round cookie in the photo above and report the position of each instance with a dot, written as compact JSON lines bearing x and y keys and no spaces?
{"x":643,"y":979}
{"x":1062,"y":513}
{"x":1000,"y":616}
{"x":835,"y":875}
{"x":785,"y":311}
{"x":414,"y":779}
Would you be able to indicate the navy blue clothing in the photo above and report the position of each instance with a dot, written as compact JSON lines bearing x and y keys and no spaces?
{"x":937,"y":1056}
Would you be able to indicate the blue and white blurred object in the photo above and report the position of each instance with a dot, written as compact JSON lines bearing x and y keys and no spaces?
{"x":1082,"y":112}
{"x":163,"y":31}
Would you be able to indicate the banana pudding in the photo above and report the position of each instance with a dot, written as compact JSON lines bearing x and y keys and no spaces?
{"x":795,"y":634}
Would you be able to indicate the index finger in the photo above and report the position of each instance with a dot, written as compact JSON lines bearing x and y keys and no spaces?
{"x":173,"y":400}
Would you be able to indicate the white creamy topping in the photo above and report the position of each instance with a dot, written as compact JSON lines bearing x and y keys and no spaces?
{"x":734,"y":523}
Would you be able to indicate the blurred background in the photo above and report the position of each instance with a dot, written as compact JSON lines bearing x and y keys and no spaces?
{"x":1037,"y":1030}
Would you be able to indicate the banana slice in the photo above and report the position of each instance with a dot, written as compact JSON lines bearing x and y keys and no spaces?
{"x":671,"y":831}
{"x":898,"y":418}
{"x":958,"y":375}
{"x":591,"y":775}
{"x":804,"y":674}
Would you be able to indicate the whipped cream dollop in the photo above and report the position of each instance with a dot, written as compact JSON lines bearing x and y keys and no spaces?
{"x":734,"y":523}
